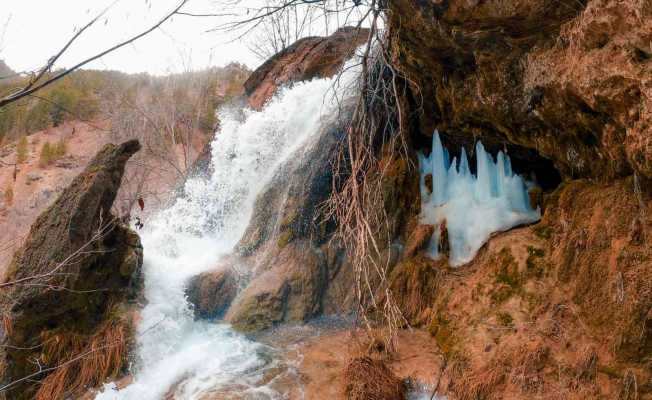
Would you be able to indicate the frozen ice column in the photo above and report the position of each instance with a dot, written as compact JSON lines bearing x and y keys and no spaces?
{"x":466,"y":208}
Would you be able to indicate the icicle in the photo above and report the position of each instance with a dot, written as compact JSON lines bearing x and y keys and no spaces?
{"x":464,"y":164}
{"x":452,"y":170}
{"x":470,"y":208}
{"x":508,"y":166}
{"x":483,"y":165}
{"x":500,"y":174}
{"x":439,"y":171}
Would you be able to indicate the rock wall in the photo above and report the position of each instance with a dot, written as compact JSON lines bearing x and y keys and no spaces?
{"x":571,"y":81}
{"x":307,"y":58}
{"x":562,"y":308}
{"x":67,"y":291}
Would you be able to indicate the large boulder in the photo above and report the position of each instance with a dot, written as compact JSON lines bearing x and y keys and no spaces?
{"x":294,"y":267}
{"x":290,"y":290}
{"x":66,"y":294}
{"x":212,"y":292}
{"x":307,"y":58}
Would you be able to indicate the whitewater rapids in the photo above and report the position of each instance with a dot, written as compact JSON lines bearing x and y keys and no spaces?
{"x":175,"y":354}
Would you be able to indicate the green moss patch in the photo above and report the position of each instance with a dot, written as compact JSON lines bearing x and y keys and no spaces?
{"x":543,"y":231}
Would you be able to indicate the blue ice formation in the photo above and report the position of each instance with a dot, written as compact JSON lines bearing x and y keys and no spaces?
{"x":471,"y":207}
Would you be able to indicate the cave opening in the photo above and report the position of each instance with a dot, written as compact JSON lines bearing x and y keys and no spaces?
{"x":468,"y":206}
{"x":525,"y":161}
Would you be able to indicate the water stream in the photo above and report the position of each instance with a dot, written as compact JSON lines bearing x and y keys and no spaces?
{"x":192,"y":359}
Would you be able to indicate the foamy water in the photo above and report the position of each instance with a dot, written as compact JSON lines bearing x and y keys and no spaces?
{"x":192,"y":358}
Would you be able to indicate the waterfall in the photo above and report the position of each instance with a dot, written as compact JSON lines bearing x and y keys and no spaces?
{"x":470,"y":208}
{"x":174,"y":351}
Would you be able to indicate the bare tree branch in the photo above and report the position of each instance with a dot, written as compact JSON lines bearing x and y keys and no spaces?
{"x":32,"y":87}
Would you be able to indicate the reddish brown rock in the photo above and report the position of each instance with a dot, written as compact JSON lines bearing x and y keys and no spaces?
{"x":211,"y":292}
{"x":312,"y":57}
{"x":570,"y":83}
{"x":418,"y":240}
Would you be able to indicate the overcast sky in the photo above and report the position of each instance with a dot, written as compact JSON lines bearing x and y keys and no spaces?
{"x":36,"y":29}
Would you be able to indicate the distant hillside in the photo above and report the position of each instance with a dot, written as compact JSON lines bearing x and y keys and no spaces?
{"x":89,"y":95}
{"x":5,"y":70}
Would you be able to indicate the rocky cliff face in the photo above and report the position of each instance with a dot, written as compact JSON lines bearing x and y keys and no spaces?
{"x":312,"y":57}
{"x":570,"y":81}
{"x":67,"y":291}
{"x":562,"y":308}
{"x":558,"y":309}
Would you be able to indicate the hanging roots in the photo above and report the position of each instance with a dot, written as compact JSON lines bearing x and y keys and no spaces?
{"x":357,"y":201}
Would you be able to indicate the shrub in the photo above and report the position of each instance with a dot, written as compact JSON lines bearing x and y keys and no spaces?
{"x":38,"y":117}
{"x":59,"y":149}
{"x":22,"y":150}
{"x":46,"y":157}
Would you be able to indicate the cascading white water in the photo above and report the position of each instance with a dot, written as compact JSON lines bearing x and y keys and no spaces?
{"x":196,"y":358}
{"x":470,"y":207}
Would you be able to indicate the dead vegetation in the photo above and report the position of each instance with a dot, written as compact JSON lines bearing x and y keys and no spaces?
{"x":83,"y":362}
{"x":369,"y":379}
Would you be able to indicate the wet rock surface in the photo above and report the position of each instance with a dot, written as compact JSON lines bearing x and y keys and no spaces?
{"x":286,"y":249}
{"x":212,"y":292}
{"x":312,"y":57}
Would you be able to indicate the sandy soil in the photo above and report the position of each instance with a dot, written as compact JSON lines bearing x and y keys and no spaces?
{"x":36,"y":188}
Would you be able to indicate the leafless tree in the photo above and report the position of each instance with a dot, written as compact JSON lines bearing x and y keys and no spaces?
{"x":284,"y":28}
{"x":45,"y":75}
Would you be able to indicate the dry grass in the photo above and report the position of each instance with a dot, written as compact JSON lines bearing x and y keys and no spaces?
{"x":369,"y":379}
{"x":478,"y":384}
{"x":629,"y":387}
{"x":82,"y":362}
{"x":528,"y":367}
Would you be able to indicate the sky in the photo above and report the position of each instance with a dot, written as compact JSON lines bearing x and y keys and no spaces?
{"x":37,"y":29}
